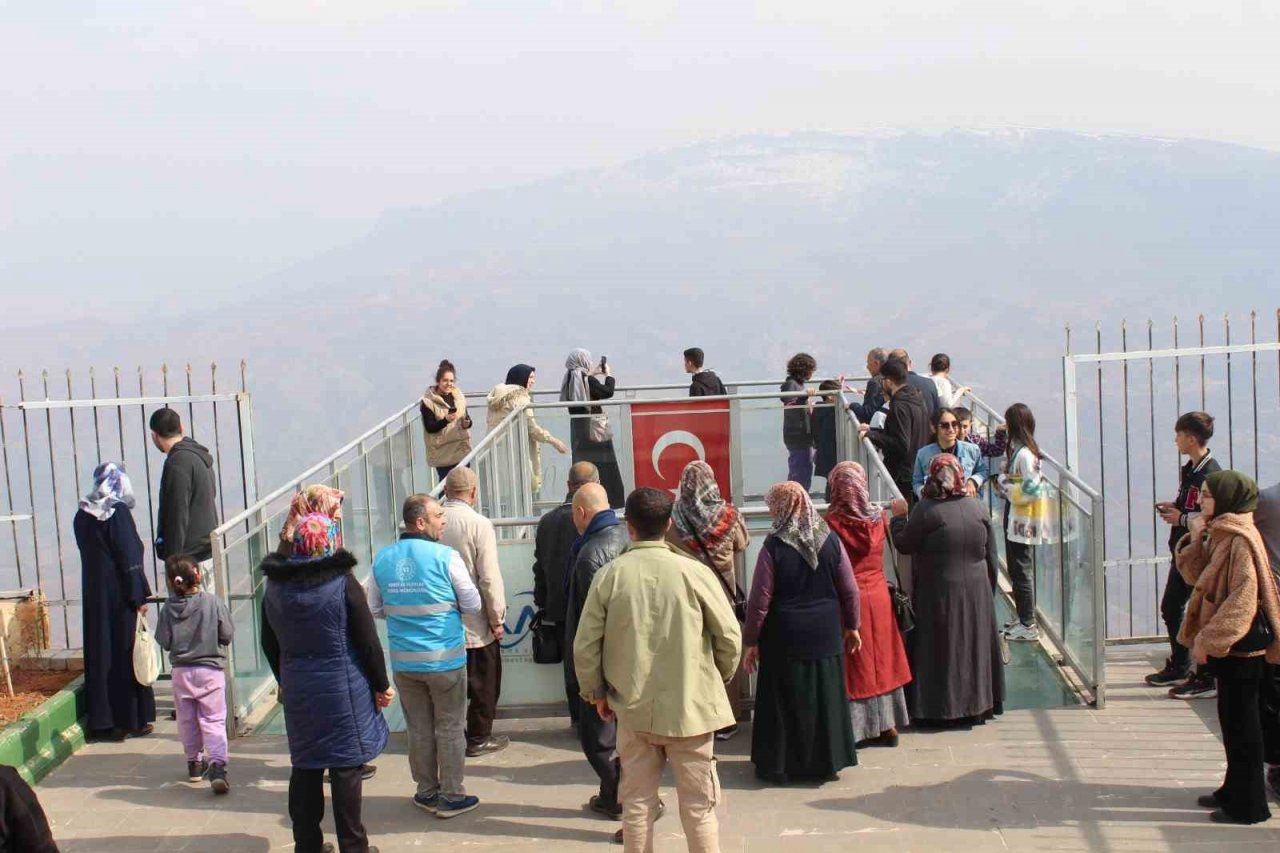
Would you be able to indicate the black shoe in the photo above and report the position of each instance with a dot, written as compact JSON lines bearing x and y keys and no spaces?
{"x":1198,"y":687}
{"x":494,"y":743}
{"x":662,"y":809}
{"x":1170,"y":676}
{"x":196,"y":770}
{"x":1221,"y":816}
{"x":367,"y":772}
{"x":1208,"y":801}
{"x":218,"y":778}
{"x":611,"y":811}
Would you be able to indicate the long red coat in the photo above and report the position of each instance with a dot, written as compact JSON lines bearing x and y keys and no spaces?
{"x":880,"y":666}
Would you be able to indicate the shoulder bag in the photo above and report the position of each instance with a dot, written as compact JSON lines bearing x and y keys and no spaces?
{"x":548,"y":640}
{"x":146,"y":655}
{"x":903,"y":610}
{"x":736,"y":595}
{"x":1260,"y":635}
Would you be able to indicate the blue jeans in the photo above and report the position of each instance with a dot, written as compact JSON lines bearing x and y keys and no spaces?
{"x":800,"y":467}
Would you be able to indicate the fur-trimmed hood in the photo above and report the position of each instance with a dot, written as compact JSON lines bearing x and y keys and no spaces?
{"x":282,"y":569}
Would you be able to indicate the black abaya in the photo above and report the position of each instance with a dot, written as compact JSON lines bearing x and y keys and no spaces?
{"x":113,"y":587}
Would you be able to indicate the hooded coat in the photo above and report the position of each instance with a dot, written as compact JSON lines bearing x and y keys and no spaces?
{"x":505,"y":399}
{"x":187,"y":511}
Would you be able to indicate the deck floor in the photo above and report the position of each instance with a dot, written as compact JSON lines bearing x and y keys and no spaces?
{"x":1121,"y":779}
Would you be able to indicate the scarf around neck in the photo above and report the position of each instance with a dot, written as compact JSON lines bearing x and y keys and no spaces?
{"x":111,"y":488}
{"x":796,"y":522}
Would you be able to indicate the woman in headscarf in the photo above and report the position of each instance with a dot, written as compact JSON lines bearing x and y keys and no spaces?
{"x":590,"y":432}
{"x":517,"y":393}
{"x":711,"y":530}
{"x":802,"y":613}
{"x":312,"y":500}
{"x":954,"y":649}
{"x":115,"y":590}
{"x":874,"y":677}
{"x":1232,"y":627}
{"x":320,"y":641}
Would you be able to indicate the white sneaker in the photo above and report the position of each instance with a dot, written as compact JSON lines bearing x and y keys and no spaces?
{"x":1008,"y":626}
{"x":1024,"y":633}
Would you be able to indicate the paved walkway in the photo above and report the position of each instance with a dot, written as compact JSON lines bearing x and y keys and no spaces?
{"x":1123,"y":779}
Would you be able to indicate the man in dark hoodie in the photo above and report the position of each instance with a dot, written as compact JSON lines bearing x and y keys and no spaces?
{"x":906,"y":429}
{"x":705,"y":381}
{"x":187,"y":511}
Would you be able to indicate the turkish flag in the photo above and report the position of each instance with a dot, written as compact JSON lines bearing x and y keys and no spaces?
{"x":665,"y":437}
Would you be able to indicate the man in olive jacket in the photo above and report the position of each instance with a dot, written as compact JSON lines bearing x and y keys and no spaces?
{"x":655,"y":646}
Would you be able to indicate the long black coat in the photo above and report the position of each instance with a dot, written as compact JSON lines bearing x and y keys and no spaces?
{"x":906,"y":430}
{"x":113,"y":586}
{"x":954,"y":650}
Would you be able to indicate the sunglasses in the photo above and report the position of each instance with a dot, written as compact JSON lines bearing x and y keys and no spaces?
{"x":948,"y":425}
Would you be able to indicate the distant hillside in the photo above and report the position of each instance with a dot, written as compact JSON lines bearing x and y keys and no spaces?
{"x":980,"y":244}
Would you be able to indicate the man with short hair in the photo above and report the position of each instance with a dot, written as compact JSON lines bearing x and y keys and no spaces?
{"x":472,"y":535}
{"x":551,"y":545}
{"x":655,"y":647}
{"x":186,"y":510}
{"x":705,"y":381}
{"x":925,"y":385}
{"x":421,"y":588}
{"x":601,"y":538}
{"x":873,"y":397}
{"x":906,"y":429}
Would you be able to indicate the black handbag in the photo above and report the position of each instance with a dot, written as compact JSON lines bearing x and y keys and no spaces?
{"x":903,"y":610}
{"x":736,"y":595}
{"x":548,"y":640}
{"x":1259,"y":638}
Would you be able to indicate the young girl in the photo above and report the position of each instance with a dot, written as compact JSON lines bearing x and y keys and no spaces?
{"x":1026,"y":524}
{"x":194,"y":627}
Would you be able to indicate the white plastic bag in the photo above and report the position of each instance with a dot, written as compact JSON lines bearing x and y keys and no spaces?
{"x":146,"y":654}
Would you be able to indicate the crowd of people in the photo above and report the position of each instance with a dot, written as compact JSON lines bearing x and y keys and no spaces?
{"x":646,"y":611}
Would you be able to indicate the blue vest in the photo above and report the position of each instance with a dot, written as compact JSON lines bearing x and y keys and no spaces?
{"x":424,"y":626}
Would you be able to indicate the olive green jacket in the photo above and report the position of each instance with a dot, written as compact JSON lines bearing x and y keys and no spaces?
{"x":658,"y":637}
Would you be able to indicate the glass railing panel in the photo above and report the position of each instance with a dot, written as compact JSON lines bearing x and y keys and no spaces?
{"x":382,"y":508}
{"x":1080,"y":632}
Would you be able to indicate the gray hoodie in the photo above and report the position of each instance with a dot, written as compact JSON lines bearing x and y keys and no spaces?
{"x":194,"y":629}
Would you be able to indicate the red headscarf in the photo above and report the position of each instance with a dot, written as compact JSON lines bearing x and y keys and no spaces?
{"x":850,"y":496}
{"x":946,"y":478}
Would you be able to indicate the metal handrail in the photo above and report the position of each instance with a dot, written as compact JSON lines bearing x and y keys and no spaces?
{"x":672,"y":386}
{"x":614,"y":401}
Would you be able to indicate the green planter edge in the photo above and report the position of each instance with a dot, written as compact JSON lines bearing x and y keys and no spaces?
{"x":47,"y":735}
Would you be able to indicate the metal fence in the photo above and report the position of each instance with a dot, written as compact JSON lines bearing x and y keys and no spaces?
{"x":52,"y":436}
{"x":1119,"y":410}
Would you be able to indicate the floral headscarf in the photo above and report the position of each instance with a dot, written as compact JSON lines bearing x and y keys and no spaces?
{"x":317,"y":499}
{"x":111,"y":488}
{"x":700,"y":515}
{"x":577,"y":368}
{"x":315,"y":536}
{"x":946,"y":478}
{"x":850,"y":496}
{"x":795,"y":521}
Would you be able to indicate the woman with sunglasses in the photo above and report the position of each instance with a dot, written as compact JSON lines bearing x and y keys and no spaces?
{"x":946,"y":430}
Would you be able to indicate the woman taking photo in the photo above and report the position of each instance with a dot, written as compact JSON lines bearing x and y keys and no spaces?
{"x":1230,"y":627}
{"x":590,"y":431}
{"x":711,"y":530}
{"x":115,"y":591}
{"x":517,"y":393}
{"x":1027,"y":521}
{"x":874,"y":677}
{"x":445,"y":419}
{"x":955,"y":651}
{"x":802,"y":613}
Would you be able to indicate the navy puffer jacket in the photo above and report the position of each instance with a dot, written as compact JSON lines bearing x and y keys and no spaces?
{"x":329,"y":708}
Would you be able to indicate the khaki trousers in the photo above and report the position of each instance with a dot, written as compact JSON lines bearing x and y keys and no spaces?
{"x":644,"y":756}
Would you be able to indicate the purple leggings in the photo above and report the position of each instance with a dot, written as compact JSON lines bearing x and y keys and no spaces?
{"x":800,"y":467}
{"x":200,"y":694}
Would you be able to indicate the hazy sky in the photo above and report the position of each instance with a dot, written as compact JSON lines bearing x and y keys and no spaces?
{"x":195,"y":146}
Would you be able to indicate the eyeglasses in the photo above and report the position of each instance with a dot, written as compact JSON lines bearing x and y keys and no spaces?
{"x":948,"y":425}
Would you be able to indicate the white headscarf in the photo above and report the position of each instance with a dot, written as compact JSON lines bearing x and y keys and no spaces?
{"x":111,"y":488}
{"x":577,"y":368}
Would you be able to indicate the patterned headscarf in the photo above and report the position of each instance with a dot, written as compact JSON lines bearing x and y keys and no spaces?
{"x":111,"y":488}
{"x":577,"y":368}
{"x":315,"y":536}
{"x":795,"y":521}
{"x":700,"y":513}
{"x":946,"y":478}
{"x":317,"y":499}
{"x":850,"y":496}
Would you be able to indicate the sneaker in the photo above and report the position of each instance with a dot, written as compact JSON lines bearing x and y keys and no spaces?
{"x":429,"y":804}
{"x":1168,"y":677}
{"x":218,"y":778}
{"x":1273,"y":780}
{"x":196,"y":770}
{"x":494,"y":743}
{"x":1024,"y":633}
{"x":1197,"y":687}
{"x":662,"y":809}
{"x":453,"y":808}
{"x":727,"y":733}
{"x":367,"y":772}
{"x":1008,"y":626}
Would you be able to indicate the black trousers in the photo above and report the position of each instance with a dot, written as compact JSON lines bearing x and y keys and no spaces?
{"x":484,"y":684}
{"x":599,"y":739}
{"x":1269,"y":709}
{"x":1243,"y":794}
{"x":1173,"y":604}
{"x":1020,"y":561}
{"x":570,"y":679}
{"x":306,"y":809}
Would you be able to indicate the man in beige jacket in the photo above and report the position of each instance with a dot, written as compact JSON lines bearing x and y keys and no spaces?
{"x":656,"y":643}
{"x":472,"y":536}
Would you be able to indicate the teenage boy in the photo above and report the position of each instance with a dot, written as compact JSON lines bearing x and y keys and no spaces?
{"x":1191,"y":433}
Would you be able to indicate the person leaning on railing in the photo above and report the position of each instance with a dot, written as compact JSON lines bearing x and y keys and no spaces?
{"x":1231,"y":628}
{"x":514,"y":394}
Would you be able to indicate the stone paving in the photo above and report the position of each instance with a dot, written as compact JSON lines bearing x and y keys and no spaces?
{"x":1122,"y":779}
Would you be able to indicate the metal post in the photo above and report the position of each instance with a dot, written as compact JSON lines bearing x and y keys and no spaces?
{"x":75,"y":450}
{"x":31,"y":480}
{"x":1202,"y":376}
{"x":57,"y":506}
{"x":120,"y":415}
{"x":217,"y":441}
{"x":8,"y":493}
{"x":1070,"y":403}
{"x":1098,"y":507}
{"x":1253,"y":356}
{"x":146,"y":463}
{"x":1151,"y":409}
{"x":97,"y":433}
{"x":248,"y":470}
{"x":1128,"y":476}
{"x":191,"y":409}
{"x":1231,"y":447}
